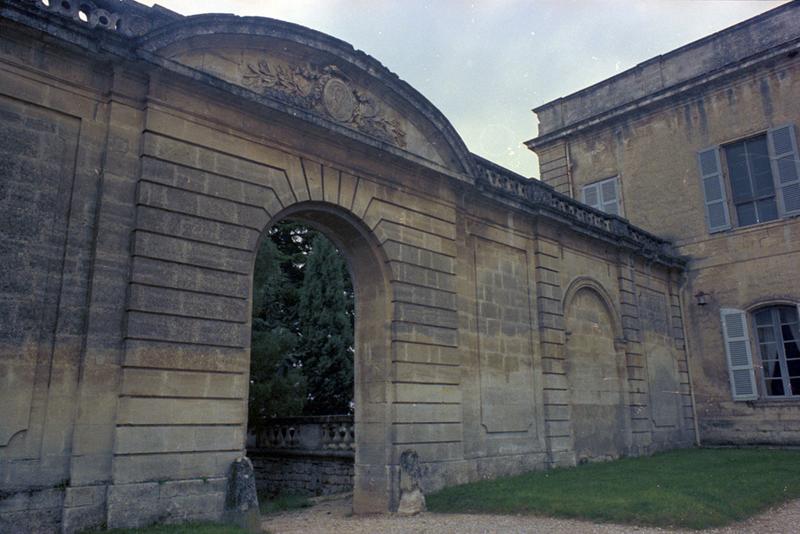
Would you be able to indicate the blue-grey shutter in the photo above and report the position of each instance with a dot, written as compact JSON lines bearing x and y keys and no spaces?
{"x":785,"y":168}
{"x":609,"y":194}
{"x":591,"y":195}
{"x":740,"y":358}
{"x":713,"y":190}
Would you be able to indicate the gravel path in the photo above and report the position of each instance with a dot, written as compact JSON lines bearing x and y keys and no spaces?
{"x":334,"y":517}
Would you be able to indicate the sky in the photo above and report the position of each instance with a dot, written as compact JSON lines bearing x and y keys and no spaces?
{"x":486,"y":63}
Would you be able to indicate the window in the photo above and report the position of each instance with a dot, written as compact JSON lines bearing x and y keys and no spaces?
{"x":779,"y":349}
{"x":762,"y":179}
{"x":603,"y":195}
{"x":752,"y":188}
{"x":777,"y":340}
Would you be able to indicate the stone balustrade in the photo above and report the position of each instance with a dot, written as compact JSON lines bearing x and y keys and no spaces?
{"x":327,"y":433}
{"x":309,"y":455}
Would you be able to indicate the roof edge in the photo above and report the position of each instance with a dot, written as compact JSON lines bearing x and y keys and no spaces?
{"x":672,"y":53}
{"x":673,"y":92}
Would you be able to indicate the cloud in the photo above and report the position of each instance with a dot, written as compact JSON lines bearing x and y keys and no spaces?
{"x":485,"y":64}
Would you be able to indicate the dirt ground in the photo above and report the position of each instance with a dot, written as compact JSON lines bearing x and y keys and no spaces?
{"x":334,"y":516}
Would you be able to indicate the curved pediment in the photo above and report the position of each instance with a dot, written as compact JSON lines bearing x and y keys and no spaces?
{"x":317,"y":73}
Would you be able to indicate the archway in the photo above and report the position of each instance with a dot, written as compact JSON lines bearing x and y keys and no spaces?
{"x":372,"y":489}
{"x":595,"y":375}
{"x":300,"y":417}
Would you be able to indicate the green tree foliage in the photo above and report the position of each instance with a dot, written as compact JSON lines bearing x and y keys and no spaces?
{"x":326,"y":344}
{"x":303,"y":318}
{"x":277,"y":384}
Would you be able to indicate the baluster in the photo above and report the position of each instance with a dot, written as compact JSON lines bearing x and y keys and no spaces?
{"x":331,"y":431}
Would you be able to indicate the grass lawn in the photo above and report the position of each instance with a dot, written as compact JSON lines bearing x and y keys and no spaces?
{"x":696,"y":488}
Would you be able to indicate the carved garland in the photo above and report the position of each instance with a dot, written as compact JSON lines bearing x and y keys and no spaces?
{"x":324,"y":91}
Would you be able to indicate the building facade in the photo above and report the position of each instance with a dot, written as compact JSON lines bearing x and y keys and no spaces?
{"x":501,"y":326}
{"x":700,"y":146}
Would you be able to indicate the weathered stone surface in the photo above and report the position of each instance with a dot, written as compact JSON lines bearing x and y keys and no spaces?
{"x":133,"y":201}
{"x":241,"y":500}
{"x":304,"y":455}
{"x":647,"y":127}
{"x":412,"y":500}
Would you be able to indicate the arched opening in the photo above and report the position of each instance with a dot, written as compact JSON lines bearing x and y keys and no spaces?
{"x":300,"y":416}
{"x":319,"y":359}
{"x":594,"y":378}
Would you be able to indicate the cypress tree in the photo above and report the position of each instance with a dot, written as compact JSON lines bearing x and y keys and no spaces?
{"x":277,"y":385}
{"x":326,"y":326}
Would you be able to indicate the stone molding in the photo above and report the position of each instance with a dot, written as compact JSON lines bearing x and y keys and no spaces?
{"x":665,"y":78}
{"x":538,"y":195}
{"x":303,"y":88}
{"x":325,"y":91}
{"x":127,"y":17}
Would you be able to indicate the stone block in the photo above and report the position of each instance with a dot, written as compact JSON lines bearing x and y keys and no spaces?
{"x":427,"y":393}
{"x":133,"y":505}
{"x":137,"y":440}
{"x":162,"y":327}
{"x":173,"y":355}
{"x":160,"y":273}
{"x":171,"y":466}
{"x":84,"y":496}
{"x":427,"y":315}
{"x":409,"y":433}
{"x":175,"y":383}
{"x":427,"y":373}
{"x":167,"y":411}
{"x":434,"y":413}
{"x":411,"y":352}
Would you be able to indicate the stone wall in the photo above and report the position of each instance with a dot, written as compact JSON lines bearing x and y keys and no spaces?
{"x":305,"y":455}
{"x":736,"y":84}
{"x":144,"y":163}
{"x":306,"y":473}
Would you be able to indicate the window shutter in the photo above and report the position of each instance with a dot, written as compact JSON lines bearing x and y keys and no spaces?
{"x":610,"y":196}
{"x":740,"y":359}
{"x":785,"y":167}
{"x":591,"y":195}
{"x":713,"y":190}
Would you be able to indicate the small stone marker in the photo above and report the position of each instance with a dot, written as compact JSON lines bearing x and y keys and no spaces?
{"x":412,"y":500}
{"x":241,"y":501}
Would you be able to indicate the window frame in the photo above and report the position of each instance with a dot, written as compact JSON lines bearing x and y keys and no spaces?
{"x":729,"y":205}
{"x":599,"y":185}
{"x":758,"y":363}
{"x":733,"y":213}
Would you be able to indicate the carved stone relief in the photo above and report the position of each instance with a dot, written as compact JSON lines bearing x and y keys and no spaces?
{"x":325,"y":91}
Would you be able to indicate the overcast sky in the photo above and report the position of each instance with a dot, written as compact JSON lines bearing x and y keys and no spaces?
{"x":486,"y":63}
